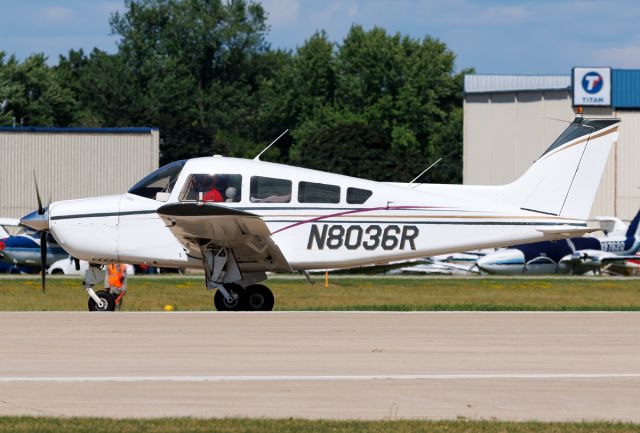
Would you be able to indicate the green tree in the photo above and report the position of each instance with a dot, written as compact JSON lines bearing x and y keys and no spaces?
{"x":195,"y":67}
{"x":406,"y":90}
{"x":33,"y":93}
{"x":376,"y":105}
{"x":106,"y":93}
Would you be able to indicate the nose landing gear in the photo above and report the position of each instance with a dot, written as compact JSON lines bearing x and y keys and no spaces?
{"x":108,"y":302}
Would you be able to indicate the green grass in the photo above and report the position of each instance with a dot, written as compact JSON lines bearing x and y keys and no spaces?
{"x":349,"y":293}
{"x":230,"y":425}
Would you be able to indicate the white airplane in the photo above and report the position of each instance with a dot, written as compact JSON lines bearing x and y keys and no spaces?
{"x":238,"y":219}
{"x":570,"y":256}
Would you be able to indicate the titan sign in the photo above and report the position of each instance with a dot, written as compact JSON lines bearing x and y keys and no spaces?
{"x":591,"y":86}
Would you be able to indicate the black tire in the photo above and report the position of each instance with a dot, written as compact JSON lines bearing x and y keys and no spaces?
{"x":57,"y":272}
{"x":222,"y":304}
{"x":105,"y":296}
{"x":259,"y":298}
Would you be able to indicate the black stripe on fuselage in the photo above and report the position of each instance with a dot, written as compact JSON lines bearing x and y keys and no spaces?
{"x":102,"y":215}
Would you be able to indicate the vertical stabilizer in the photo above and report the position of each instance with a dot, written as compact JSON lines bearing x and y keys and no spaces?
{"x":565,"y":179}
{"x":632,"y":232}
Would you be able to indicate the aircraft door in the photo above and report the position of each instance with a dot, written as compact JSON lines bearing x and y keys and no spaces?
{"x":143,"y":238}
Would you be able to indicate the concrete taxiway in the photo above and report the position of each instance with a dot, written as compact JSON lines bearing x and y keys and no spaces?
{"x":518,"y":366}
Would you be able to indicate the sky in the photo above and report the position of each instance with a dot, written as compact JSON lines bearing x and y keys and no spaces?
{"x":492,"y":36}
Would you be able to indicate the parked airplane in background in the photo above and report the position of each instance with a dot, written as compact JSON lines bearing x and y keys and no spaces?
{"x":5,"y":226}
{"x":238,"y":219}
{"x":574,"y":256}
{"x":4,"y":233}
{"x":21,"y":252}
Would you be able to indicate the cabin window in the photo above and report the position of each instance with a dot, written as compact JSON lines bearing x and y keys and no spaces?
{"x":213,"y":188}
{"x":309,"y":192}
{"x":357,"y":195}
{"x":160,"y":181}
{"x":270,"y":190}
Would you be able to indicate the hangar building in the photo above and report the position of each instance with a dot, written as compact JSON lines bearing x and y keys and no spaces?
{"x":71,"y":163}
{"x":509,"y":120}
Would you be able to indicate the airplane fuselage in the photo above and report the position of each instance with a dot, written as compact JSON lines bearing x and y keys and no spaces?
{"x":319,"y":220}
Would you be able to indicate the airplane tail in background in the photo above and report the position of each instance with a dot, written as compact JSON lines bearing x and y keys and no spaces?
{"x":565,"y":179}
{"x":633,"y":234}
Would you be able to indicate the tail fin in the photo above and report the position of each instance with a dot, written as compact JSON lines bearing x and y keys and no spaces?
{"x":565,"y":179}
{"x":632,"y":231}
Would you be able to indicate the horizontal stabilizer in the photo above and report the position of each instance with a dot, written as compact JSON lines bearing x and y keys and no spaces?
{"x":568,"y":231}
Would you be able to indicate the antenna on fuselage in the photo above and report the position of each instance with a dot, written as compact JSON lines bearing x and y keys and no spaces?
{"x":257,"y":158}
{"x":423,"y":172}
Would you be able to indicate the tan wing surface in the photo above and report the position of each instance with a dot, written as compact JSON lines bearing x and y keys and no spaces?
{"x":217,"y":226}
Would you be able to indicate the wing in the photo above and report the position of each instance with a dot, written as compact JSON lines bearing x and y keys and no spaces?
{"x":217,"y":226}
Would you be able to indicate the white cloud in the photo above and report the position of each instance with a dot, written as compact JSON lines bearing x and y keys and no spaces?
{"x":619,"y":57}
{"x":470,"y":13}
{"x":352,"y":11}
{"x":282,"y":12}
{"x":500,"y":13}
{"x":57,"y":14}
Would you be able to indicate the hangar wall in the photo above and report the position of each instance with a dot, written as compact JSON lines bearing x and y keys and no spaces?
{"x":71,"y":163}
{"x":509,"y":124}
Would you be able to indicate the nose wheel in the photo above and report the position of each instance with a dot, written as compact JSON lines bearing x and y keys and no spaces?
{"x":108,"y":302}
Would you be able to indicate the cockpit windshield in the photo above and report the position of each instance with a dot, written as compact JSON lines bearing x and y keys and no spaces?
{"x":160,"y":181}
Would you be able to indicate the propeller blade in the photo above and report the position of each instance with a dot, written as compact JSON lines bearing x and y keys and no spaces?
{"x":43,"y":258}
{"x":40,"y":208}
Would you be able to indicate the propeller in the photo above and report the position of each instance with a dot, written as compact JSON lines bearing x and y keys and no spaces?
{"x":43,"y":259}
{"x":576,"y":257}
{"x":41,"y":210}
{"x":39,"y":221}
{"x":43,"y":238}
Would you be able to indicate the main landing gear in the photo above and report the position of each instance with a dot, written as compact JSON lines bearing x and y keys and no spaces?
{"x":235,"y":291}
{"x":255,"y":297}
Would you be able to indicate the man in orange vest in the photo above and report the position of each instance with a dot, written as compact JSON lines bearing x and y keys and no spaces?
{"x":116,"y":282}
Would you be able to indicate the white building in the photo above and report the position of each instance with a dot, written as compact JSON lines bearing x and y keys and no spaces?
{"x":71,"y":163}
{"x":509,"y":120}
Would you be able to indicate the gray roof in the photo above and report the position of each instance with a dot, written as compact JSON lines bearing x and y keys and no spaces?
{"x":514,"y":83}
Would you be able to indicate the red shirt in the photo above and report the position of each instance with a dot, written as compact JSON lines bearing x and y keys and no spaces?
{"x":212,"y":195}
